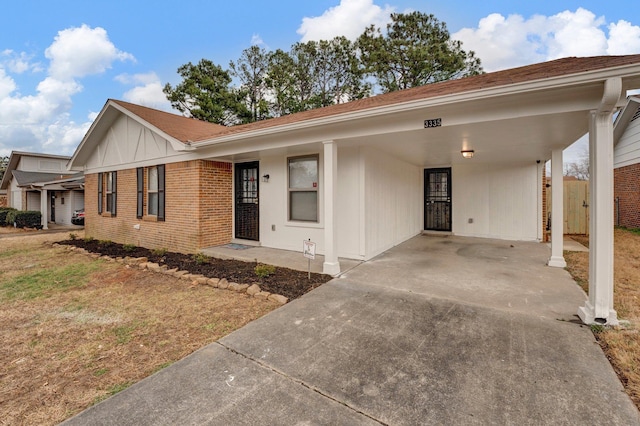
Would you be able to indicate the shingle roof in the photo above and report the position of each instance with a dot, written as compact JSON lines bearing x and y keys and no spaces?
{"x":181,"y":128}
{"x":188,"y":129}
{"x":27,"y":178}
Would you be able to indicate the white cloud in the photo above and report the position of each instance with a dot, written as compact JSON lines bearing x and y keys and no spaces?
{"x":7,"y":84}
{"x":348,"y":19}
{"x":256,"y":40}
{"x":41,"y":121}
{"x":624,"y":38}
{"x":78,"y":52}
{"x":18,"y":63}
{"x":148,"y":90}
{"x":514,"y":41}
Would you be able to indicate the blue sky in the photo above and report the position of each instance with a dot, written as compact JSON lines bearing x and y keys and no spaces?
{"x":61,"y":60}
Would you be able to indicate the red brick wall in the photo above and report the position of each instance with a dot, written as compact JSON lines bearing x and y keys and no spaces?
{"x":627,"y":192}
{"x":3,"y":200}
{"x":198,"y":209}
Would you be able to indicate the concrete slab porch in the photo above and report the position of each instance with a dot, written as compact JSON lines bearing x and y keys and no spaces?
{"x":282,"y":258}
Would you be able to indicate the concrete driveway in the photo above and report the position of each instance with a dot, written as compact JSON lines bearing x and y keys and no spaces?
{"x":435,"y":331}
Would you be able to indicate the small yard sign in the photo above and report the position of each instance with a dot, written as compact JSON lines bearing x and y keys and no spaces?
{"x":309,"y":249}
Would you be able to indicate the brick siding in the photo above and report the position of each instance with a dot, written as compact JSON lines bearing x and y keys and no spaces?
{"x":4,"y":200}
{"x":627,"y":192}
{"x":198,"y":209}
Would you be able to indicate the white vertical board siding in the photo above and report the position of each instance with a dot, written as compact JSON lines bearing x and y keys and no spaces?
{"x":16,"y":195}
{"x":63,"y":211}
{"x":33,"y":201}
{"x":274,"y":209}
{"x":289,"y":235}
{"x":393,"y":201}
{"x":78,"y":201}
{"x":501,"y":200}
{"x":627,"y":151}
{"x":349,"y":203}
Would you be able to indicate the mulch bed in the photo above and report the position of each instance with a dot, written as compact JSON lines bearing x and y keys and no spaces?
{"x":287,"y":282}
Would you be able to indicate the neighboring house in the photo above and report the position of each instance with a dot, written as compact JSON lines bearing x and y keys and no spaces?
{"x":463,"y":157}
{"x":627,"y":164}
{"x":41,"y":182}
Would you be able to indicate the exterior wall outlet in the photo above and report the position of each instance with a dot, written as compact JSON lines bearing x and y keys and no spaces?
{"x":273,"y":227}
{"x":136,"y":226}
{"x":470,"y":220}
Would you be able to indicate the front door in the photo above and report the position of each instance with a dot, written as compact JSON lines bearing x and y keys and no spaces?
{"x":52,"y":216}
{"x":437,"y":198}
{"x":246,"y":194}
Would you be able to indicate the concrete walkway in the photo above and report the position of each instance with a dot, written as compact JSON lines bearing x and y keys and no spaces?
{"x":438,"y":330}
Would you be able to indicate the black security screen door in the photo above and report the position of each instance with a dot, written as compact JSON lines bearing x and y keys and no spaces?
{"x":247,"y":201}
{"x":437,"y":198}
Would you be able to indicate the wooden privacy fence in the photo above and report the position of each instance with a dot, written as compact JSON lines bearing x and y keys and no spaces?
{"x":576,"y":207}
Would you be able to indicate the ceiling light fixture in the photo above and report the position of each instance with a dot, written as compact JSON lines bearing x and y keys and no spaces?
{"x":468,"y":153}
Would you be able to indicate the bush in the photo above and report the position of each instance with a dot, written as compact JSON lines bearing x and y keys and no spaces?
{"x":263,"y":271}
{"x":3,"y":215}
{"x":24,"y":219}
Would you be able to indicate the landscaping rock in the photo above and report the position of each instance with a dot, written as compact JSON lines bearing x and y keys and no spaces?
{"x":223,"y":283}
{"x":254,"y":289}
{"x":278,"y":299}
{"x":242,"y":287}
{"x":262,"y":295}
{"x":202,"y":280}
{"x":213,"y":282}
{"x":179,"y":274}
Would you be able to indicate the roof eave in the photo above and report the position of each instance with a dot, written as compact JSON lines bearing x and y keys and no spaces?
{"x":593,"y":76}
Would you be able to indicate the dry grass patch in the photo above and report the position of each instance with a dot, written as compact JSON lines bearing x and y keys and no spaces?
{"x":621,"y":344}
{"x":77,"y":330}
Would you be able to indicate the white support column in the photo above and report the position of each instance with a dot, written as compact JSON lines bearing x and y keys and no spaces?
{"x":331,"y":265}
{"x":557,"y":211}
{"x":44,"y":202}
{"x":599,"y":307}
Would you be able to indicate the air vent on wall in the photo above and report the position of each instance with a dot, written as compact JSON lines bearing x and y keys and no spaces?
{"x":636,"y":115}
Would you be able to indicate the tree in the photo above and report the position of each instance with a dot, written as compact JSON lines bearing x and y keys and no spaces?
{"x":4,"y":163}
{"x":251,"y":70}
{"x":339,"y":73}
{"x":415,"y":50}
{"x":315,"y":74}
{"x":580,"y":167}
{"x":205,"y":94}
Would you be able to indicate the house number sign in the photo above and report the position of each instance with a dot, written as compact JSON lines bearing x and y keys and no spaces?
{"x":433,"y":122}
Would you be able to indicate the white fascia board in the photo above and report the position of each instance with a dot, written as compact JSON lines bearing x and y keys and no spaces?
{"x":624,"y":118}
{"x":175,"y":143}
{"x":596,"y":76}
{"x":81,"y":147}
{"x":181,"y":157}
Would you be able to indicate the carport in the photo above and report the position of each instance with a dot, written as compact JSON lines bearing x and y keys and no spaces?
{"x":512,"y":121}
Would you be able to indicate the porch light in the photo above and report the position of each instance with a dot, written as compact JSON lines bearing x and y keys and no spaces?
{"x":468,"y":153}
{"x":265,"y":178}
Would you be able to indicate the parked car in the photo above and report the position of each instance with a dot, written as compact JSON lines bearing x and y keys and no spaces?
{"x":78,"y":217}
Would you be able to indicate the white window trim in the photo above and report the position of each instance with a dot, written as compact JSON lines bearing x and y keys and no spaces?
{"x":152,"y":192}
{"x":304,"y":223}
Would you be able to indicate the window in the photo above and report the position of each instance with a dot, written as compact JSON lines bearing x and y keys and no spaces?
{"x":303,"y":188}
{"x":154,"y":190}
{"x":111,"y":186}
